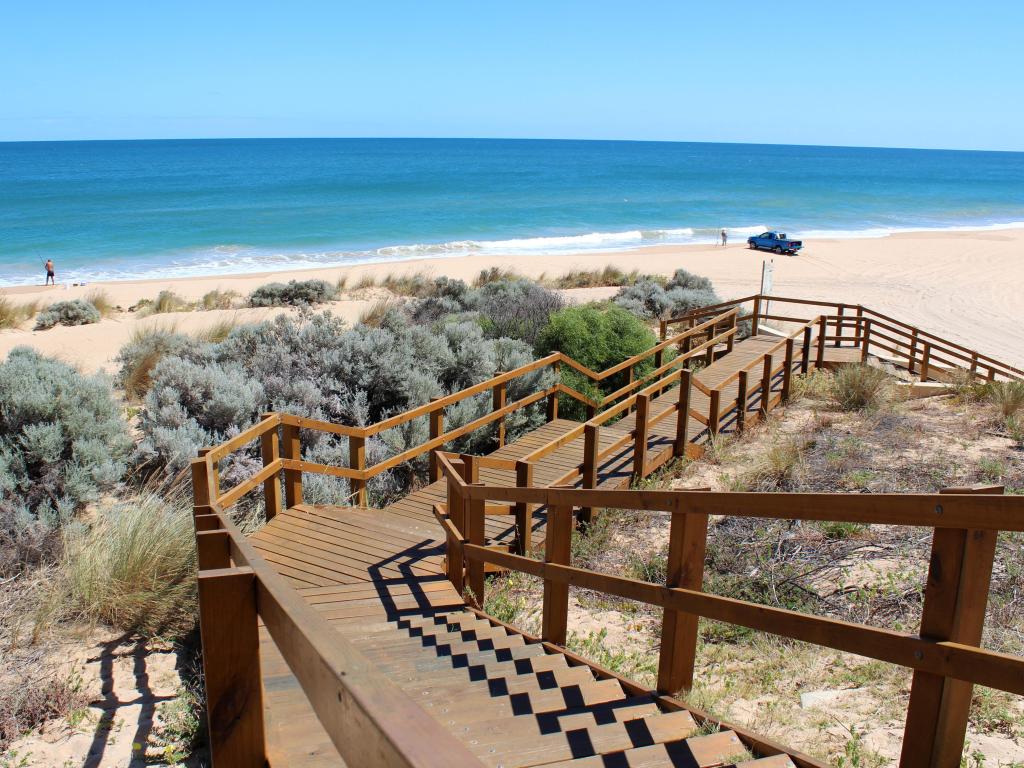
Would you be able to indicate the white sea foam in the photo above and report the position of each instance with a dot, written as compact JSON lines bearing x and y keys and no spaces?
{"x":236,"y":258}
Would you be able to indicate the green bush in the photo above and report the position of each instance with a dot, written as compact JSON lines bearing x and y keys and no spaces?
{"x":598,"y":337}
{"x":76,"y":312}
{"x":293,"y":293}
{"x":859,"y":386}
{"x":1007,"y":396}
{"x":62,"y":443}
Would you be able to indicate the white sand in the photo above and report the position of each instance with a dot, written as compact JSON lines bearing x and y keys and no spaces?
{"x":964,"y":286}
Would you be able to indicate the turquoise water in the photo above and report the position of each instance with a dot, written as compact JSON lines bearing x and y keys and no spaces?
{"x":117,"y":210}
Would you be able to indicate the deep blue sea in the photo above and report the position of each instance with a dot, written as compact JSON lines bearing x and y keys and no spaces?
{"x":130,"y":209}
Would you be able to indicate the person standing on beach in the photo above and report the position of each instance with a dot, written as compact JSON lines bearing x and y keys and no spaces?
{"x":725,"y":238}
{"x":50,"y":279}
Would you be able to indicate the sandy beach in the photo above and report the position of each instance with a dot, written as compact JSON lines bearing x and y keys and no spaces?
{"x":962,"y":285}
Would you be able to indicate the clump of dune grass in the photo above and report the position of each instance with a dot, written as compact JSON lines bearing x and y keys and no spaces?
{"x":145,"y":348}
{"x":365,"y":281}
{"x":340,"y":283}
{"x":12,"y":315}
{"x":133,"y":569}
{"x":101,"y":300}
{"x":859,"y":386}
{"x":775,"y":468}
{"x":1006,"y":396}
{"x":218,"y":299}
{"x":216,"y":333}
{"x":966,"y":386}
{"x":594,"y":278}
{"x":164,"y":303}
{"x":374,"y":315}
{"x":494,"y":275}
{"x":416,"y":284}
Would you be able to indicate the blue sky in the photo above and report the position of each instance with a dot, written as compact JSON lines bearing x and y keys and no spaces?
{"x":894,"y":73}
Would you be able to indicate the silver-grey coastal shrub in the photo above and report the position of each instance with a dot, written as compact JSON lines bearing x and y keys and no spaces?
{"x":293,"y":293}
{"x":62,"y":444}
{"x":649,"y":299}
{"x":75,"y":312}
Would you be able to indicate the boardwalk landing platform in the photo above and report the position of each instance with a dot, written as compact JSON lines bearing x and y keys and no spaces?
{"x":377,"y":577}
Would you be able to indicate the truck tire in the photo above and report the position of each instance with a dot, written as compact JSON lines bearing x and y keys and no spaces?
{"x":752,"y":246}
{"x":777,"y":250}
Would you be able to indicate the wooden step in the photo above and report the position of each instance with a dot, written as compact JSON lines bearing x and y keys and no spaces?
{"x":716,"y":749}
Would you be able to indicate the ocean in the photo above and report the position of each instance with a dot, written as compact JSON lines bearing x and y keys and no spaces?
{"x":109,"y":210}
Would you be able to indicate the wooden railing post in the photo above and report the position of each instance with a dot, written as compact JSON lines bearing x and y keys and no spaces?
{"x":270,"y":451}
{"x":709,"y":355}
{"x":685,"y":568}
{"x":787,"y":370}
{"x":231,"y":666}
{"x":840,"y":325}
{"x":860,"y":319}
{"x":741,"y":402}
{"x":456,"y":513}
{"x":524,"y":511}
{"x":291,"y":449}
{"x":731,"y":341}
{"x":955,"y":598}
{"x":926,"y":357}
{"x":755,"y":321}
{"x":498,"y":396}
{"x":687,"y":345}
{"x":865,"y":341}
{"x":552,"y":412}
{"x":974,"y":365}
{"x":911,"y":364}
{"x":436,"y":430}
{"x":683,"y":414}
{"x":805,"y":351}
{"x":643,"y":408}
{"x":357,"y":461}
{"x":203,"y":489}
{"x":591,"y":448}
{"x":557,"y":549}
{"x":713,"y":406}
{"x":213,"y":550}
{"x":822,"y":333}
{"x":663,"y":329}
{"x":766,"y":386}
{"x":475,"y":519}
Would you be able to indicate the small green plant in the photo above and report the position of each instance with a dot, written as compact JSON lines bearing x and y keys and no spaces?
{"x":505,"y":598}
{"x":652,"y":567}
{"x":816,"y":385}
{"x":1014,"y":426}
{"x":74,"y":312}
{"x":635,"y":665}
{"x":992,"y":470}
{"x":180,"y":726}
{"x":293,"y":293}
{"x":859,"y":386}
{"x":836,"y":530}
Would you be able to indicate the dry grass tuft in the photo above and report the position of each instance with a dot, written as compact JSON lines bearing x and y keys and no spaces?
{"x":493,"y":275}
{"x":365,"y":281}
{"x":216,"y":333}
{"x":101,"y":300}
{"x":593,"y":278}
{"x":218,"y":299}
{"x":374,"y":315}
{"x":857,"y":387}
{"x":165,"y":302}
{"x":133,"y":569}
{"x":1006,"y":396}
{"x":12,"y":315}
{"x":30,"y":701}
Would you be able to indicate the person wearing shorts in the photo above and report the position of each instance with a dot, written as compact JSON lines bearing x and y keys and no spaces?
{"x":50,"y":277}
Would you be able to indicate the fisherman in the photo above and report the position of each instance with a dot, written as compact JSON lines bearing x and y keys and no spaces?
{"x":725,"y":237}
{"x":50,"y":278}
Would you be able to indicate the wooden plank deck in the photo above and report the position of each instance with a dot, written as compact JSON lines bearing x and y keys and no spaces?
{"x":376,"y":576}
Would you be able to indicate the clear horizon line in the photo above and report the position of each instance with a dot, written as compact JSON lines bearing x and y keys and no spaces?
{"x":505,"y":138}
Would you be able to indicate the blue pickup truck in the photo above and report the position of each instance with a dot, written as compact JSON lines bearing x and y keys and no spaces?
{"x":777,"y":242}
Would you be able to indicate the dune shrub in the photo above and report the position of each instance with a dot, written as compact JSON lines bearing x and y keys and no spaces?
{"x":594,"y":278}
{"x":293,"y":293}
{"x":598,"y":337}
{"x":62,"y":443}
{"x":516,"y":309}
{"x":859,"y":386}
{"x":133,"y":568}
{"x":312,"y":365}
{"x":648,"y":298}
{"x":74,"y":312}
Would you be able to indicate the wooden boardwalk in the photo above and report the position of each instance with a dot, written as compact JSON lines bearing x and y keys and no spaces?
{"x":377,"y":577}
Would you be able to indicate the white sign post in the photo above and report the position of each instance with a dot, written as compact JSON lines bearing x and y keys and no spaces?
{"x":767,"y":271}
